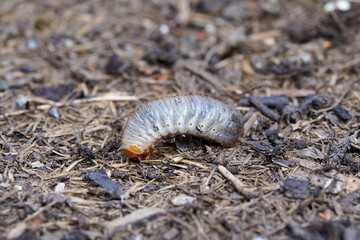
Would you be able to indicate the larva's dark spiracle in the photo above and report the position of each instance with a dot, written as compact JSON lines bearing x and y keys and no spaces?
{"x":196,"y":115}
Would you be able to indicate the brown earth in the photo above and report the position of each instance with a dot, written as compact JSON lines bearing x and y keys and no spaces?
{"x":71,"y":72}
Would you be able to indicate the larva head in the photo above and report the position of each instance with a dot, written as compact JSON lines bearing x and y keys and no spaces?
{"x":132,"y":151}
{"x":232,"y":131}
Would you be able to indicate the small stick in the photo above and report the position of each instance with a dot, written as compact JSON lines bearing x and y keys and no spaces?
{"x":239,"y":186}
{"x":9,"y":194}
{"x":271,"y":102}
{"x":134,"y":217}
{"x":264,"y":109}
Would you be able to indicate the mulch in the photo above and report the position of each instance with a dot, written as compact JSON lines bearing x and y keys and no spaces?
{"x":72,"y":72}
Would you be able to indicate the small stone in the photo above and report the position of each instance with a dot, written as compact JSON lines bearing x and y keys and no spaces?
{"x":25,"y":68}
{"x":164,"y":29}
{"x":182,"y":200}
{"x":4,"y":85}
{"x":305,"y":58}
{"x":343,"y":5}
{"x":271,"y":6}
{"x":171,"y":234}
{"x":236,"y":36}
{"x":236,"y":11}
{"x":37,"y":164}
{"x":18,"y":187}
{"x":334,"y":187}
{"x":210,"y":28}
{"x":59,"y":187}
{"x":54,"y":112}
{"x":68,"y":43}
{"x":138,"y":237}
{"x":22,"y":101}
{"x":128,"y":47}
{"x":32,"y":44}
{"x":260,"y":238}
{"x":329,"y":7}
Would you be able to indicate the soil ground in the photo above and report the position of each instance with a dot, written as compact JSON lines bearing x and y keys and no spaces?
{"x":72,"y":72}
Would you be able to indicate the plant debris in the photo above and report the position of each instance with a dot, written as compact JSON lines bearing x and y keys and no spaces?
{"x":295,"y":188}
{"x":72,"y":72}
{"x":342,"y":113}
{"x":101,"y":179}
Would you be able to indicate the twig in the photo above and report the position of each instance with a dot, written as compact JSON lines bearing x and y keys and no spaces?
{"x":239,"y":186}
{"x":264,"y":109}
{"x":135,"y":216}
{"x":9,"y":194}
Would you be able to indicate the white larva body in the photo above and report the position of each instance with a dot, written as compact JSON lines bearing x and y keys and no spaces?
{"x":196,"y":115}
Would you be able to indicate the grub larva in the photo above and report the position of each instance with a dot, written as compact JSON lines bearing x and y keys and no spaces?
{"x":196,"y":115}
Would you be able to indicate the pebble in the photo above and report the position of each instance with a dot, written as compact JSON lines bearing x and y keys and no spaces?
{"x":329,"y":7}
{"x":210,"y":28}
{"x":260,"y":238}
{"x":21,"y":101}
{"x":343,"y":5}
{"x":128,"y":47}
{"x":32,"y":44}
{"x":4,"y":85}
{"x":138,"y":237}
{"x":37,"y":164}
{"x":182,"y":200}
{"x":235,"y":11}
{"x":54,"y":112}
{"x":59,"y":187}
{"x":305,"y":58}
{"x":171,"y":234}
{"x":164,"y":29}
{"x":68,"y":43}
{"x":25,"y":68}
{"x":334,"y":187}
{"x":271,"y":6}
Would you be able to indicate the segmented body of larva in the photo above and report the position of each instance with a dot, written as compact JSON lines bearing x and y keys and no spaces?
{"x":195,"y":115}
